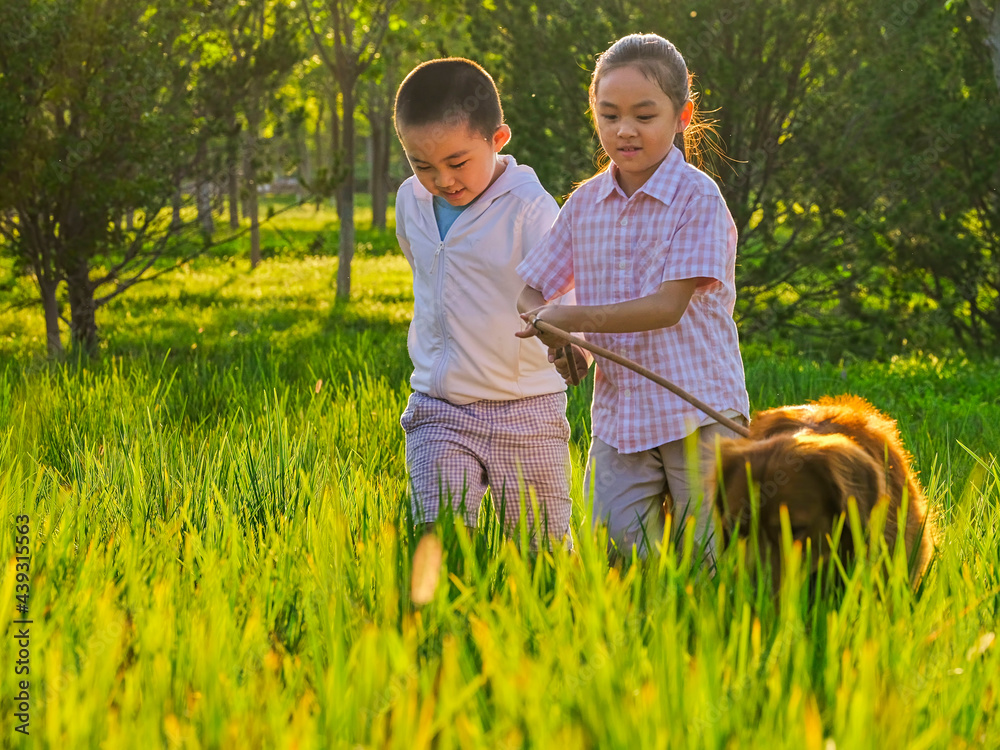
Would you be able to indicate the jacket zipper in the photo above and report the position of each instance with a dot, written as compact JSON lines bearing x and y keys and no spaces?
{"x":437,"y":252}
{"x":442,"y":325}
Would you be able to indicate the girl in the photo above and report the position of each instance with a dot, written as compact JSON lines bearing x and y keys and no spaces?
{"x":650,"y":248}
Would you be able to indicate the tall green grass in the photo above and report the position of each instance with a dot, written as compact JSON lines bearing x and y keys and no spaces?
{"x":221,"y":556}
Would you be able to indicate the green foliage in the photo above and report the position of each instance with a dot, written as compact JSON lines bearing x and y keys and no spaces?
{"x":543,"y":84}
{"x":110,"y":107}
{"x":293,"y":230}
{"x":856,"y":139}
{"x":221,"y":555}
{"x":851,"y":143}
{"x":931,"y":227}
{"x":98,"y":132}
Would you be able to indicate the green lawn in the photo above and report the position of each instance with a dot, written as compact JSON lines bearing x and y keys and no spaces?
{"x":220,"y":555}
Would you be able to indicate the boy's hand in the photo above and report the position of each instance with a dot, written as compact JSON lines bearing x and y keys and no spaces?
{"x":573,"y":372}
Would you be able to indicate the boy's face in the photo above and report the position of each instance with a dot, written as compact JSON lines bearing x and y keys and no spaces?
{"x":453,"y":161}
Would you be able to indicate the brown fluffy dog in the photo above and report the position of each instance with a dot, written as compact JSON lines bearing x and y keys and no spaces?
{"x":811,"y":459}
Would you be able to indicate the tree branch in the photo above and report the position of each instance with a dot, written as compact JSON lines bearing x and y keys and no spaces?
{"x":982,"y":13}
{"x":320,"y":47}
{"x":378,"y":29}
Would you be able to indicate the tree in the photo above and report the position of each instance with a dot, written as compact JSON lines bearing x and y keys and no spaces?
{"x":413,"y":37}
{"x":379,"y":98}
{"x":91,"y":133}
{"x":866,"y":191}
{"x":771,"y":77}
{"x":989,"y":18}
{"x":551,"y":130}
{"x":817,"y":170}
{"x":252,"y":46}
{"x":932,"y":216}
{"x":356,"y":31}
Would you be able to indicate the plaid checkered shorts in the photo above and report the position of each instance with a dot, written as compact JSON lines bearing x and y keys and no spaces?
{"x":457,"y":451}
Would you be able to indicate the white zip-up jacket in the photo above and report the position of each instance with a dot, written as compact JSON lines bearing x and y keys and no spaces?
{"x":465,"y":290}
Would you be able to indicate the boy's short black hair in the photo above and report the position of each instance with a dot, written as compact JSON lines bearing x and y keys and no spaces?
{"x":450,"y":91}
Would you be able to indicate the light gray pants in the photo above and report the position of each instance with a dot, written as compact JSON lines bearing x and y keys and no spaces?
{"x":630,"y":489}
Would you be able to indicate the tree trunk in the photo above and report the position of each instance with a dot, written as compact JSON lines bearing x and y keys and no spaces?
{"x":250,"y":175}
{"x":50,"y":305}
{"x":305,"y":162}
{"x":83,"y":318}
{"x":380,"y":120}
{"x":990,"y":20}
{"x":335,"y":152}
{"x":345,"y":199}
{"x":203,"y":189}
{"x":205,"y":209}
{"x":993,"y":41}
{"x":379,"y":184}
{"x":320,"y":114}
{"x":175,"y":220}
{"x":232,"y":175}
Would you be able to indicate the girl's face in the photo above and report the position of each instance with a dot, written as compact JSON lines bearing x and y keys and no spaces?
{"x":636,"y":122}
{"x":453,"y":161}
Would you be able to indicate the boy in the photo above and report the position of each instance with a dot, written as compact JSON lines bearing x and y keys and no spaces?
{"x":487,"y":409}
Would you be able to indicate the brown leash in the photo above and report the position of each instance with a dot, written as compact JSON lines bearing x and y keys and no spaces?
{"x":541,"y":325}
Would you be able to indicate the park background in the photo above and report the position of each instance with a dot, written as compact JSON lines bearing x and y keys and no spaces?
{"x":203,"y":360}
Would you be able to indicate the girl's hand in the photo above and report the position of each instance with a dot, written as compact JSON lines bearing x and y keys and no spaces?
{"x":572,"y":375}
{"x":552,"y":314}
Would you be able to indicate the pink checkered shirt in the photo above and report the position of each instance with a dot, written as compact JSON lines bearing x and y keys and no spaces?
{"x":612,"y":248}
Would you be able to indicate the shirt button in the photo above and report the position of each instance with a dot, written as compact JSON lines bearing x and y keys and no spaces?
{"x":624,"y":222}
{"x":623,"y":265}
{"x":626,"y":393}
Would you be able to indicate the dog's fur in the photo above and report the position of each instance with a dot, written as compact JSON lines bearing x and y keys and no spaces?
{"x":812,"y":459}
